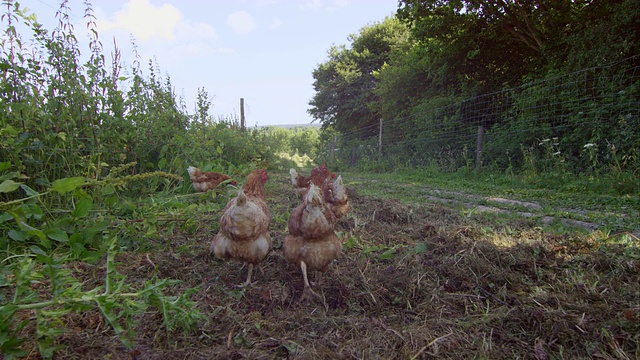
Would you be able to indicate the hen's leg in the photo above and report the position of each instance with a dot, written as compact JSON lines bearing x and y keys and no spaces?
{"x":248,"y":282}
{"x":303,"y":267}
{"x":307,"y":288}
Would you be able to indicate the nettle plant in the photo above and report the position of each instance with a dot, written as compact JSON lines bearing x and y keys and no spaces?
{"x":43,"y":246}
{"x":545,"y":158}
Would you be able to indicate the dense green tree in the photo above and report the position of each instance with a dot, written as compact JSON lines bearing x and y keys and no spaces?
{"x":602,"y":33}
{"x":481,"y":45}
{"x":489,"y":44}
{"x":279,"y":138}
{"x":412,"y":74}
{"x":305,"y":142}
{"x":345,"y":84}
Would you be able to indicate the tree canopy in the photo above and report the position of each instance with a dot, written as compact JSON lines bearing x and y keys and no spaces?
{"x":345,"y":83}
{"x":434,"y":48}
{"x":436,"y":53}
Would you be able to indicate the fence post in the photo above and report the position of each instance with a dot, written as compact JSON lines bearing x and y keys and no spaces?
{"x":332,"y":150}
{"x":380,"y":142}
{"x":479,"y":145}
{"x":242,"y":114}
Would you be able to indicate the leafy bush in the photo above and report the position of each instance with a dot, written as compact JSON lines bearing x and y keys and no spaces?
{"x":43,"y":245}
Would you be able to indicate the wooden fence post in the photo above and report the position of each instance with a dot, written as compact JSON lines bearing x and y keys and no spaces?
{"x":479,"y":145}
{"x":332,"y":150}
{"x":380,"y":142}
{"x":242,"y":114}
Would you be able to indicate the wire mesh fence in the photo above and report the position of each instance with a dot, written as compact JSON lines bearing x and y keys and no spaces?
{"x":585,"y":120}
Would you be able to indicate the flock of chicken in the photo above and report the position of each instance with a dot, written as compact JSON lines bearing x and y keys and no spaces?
{"x":311,"y":241}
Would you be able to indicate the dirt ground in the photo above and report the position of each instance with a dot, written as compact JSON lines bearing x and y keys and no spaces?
{"x":413,"y":282}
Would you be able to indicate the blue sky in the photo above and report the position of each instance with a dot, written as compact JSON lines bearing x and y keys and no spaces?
{"x":261,"y":50}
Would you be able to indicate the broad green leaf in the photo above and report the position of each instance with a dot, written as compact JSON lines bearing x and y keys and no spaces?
{"x":420,"y":248}
{"x":4,"y":165}
{"x":91,"y":256}
{"x":8,"y":186}
{"x":29,"y":191}
{"x":387,"y":254}
{"x":108,"y":190}
{"x":218,"y":149}
{"x":16,"y":235}
{"x":5,"y":216}
{"x":10,"y":175}
{"x":67,"y":184}
{"x":33,"y":211}
{"x":44,"y":258}
{"x":37,"y":250}
{"x":58,"y":235}
{"x":41,"y":235}
{"x":76,"y":243}
{"x":82,"y":207}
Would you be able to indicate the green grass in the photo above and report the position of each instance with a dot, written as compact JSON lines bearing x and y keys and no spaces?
{"x":588,"y":199}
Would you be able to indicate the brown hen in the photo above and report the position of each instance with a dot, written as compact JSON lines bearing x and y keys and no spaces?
{"x":204,"y":181}
{"x":312,"y":243}
{"x":244,"y":225}
{"x":301,"y":183}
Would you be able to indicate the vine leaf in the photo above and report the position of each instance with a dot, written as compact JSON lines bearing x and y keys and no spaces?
{"x":8,"y":186}
{"x":82,"y":207}
{"x":67,"y":184}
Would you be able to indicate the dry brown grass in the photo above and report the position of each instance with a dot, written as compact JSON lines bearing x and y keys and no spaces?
{"x":454,"y":288}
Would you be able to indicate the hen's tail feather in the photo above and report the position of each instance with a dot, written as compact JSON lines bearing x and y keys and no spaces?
{"x":192,"y":171}
{"x":242,"y":198}
{"x":313,"y":195}
{"x":294,"y":175}
{"x":339,"y":191}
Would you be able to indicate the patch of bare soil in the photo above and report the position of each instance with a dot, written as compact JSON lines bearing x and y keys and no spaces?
{"x":413,"y":282}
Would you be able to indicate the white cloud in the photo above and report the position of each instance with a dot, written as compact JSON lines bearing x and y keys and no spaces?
{"x":149,"y":22}
{"x":145,"y":21}
{"x":241,"y":22}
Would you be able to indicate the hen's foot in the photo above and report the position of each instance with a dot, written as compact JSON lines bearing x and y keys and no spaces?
{"x":246,"y":284}
{"x":310,"y":295}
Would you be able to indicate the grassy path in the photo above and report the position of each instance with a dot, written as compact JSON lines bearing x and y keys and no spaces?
{"x":560,"y":209}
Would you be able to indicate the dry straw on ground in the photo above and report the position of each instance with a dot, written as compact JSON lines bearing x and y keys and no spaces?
{"x":414,"y":282}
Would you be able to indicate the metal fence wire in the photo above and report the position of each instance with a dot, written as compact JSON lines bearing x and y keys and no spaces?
{"x":568,"y":118}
